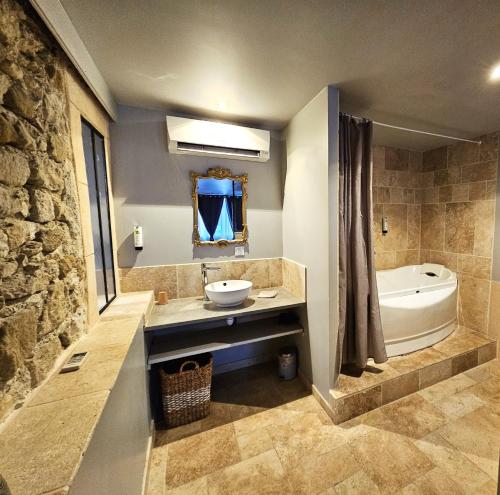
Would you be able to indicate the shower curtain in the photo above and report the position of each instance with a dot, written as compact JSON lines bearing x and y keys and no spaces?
{"x":360,"y":329}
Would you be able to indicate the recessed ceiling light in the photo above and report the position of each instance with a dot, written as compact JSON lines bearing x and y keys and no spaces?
{"x":221,"y":105}
{"x":495,"y":73}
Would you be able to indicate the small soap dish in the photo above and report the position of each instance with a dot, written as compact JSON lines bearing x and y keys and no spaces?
{"x":267,"y":294}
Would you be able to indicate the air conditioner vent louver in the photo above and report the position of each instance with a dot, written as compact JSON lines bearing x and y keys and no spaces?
{"x":206,"y":148}
{"x":205,"y":138}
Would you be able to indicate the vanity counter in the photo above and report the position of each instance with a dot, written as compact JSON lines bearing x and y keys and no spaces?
{"x":179,"y":312}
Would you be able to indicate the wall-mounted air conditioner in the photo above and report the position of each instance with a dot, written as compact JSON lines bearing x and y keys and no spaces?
{"x":205,"y":138}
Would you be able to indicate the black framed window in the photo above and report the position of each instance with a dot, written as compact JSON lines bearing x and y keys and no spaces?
{"x":95,"y":163}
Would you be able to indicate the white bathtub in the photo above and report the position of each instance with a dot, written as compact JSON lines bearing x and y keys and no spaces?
{"x":417,"y":309}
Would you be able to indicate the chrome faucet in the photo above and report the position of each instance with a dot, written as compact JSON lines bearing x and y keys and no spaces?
{"x":204,"y":277}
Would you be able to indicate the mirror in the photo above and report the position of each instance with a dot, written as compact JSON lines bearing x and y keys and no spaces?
{"x":219,"y":208}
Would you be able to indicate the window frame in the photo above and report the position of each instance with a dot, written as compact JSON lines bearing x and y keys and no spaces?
{"x":94,"y":132}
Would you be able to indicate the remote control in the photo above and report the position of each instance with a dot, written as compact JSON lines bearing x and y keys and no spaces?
{"x":74,"y":362}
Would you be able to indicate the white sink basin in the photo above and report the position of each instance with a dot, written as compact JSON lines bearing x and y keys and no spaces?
{"x":228,"y":293}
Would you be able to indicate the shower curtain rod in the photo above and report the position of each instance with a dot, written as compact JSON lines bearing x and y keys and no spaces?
{"x":421,"y":132}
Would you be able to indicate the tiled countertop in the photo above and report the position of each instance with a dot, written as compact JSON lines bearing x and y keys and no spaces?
{"x":190,"y":310}
{"x":42,"y":446}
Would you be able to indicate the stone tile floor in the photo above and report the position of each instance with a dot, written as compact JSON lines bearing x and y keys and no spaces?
{"x":272,"y":437}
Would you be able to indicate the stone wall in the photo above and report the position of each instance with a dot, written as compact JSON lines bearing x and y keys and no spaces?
{"x":42,"y":280}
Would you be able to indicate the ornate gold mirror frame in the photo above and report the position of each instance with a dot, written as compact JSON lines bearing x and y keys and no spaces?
{"x":219,"y":173}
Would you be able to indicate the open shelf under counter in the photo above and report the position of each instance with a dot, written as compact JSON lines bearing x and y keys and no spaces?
{"x":188,"y":343}
{"x":192,"y":310}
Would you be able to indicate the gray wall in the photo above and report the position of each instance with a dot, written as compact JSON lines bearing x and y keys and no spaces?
{"x":310,"y":226}
{"x":152,"y":188}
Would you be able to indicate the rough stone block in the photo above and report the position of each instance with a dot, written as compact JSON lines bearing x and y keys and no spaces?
{"x":17,"y":340}
{"x":47,"y":173}
{"x":42,"y":206}
{"x":53,"y":235}
{"x":14,"y":202}
{"x":14,"y":167}
{"x":21,"y":101}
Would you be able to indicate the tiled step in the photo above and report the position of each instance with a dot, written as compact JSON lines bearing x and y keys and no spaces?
{"x":358,"y":393}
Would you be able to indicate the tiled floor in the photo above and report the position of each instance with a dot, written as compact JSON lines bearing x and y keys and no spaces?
{"x":274,"y":438}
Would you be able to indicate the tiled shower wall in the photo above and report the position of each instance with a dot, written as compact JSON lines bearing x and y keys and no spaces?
{"x":458,"y":220}
{"x":396,"y":195}
{"x":441,"y":209}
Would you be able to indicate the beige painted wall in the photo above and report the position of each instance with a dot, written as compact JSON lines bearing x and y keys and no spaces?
{"x":83,"y":104}
{"x":153,"y":188}
{"x":310,"y":190}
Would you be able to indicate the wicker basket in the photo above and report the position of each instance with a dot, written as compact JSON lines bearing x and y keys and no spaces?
{"x":186,"y":392}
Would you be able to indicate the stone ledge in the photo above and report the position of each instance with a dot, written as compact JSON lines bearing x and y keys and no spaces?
{"x":47,"y":439}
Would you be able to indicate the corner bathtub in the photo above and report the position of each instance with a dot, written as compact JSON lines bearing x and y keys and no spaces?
{"x":418,"y":306}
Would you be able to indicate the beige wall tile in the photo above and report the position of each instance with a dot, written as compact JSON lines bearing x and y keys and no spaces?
{"x":477,"y":190}
{"x":459,"y":227}
{"x":275,"y":272}
{"x":405,"y":258}
{"x":378,"y":157}
{"x":488,"y":149}
{"x":257,"y":271}
{"x":378,"y":213}
{"x":396,"y":195}
{"x":397,"y":237}
{"x":430,"y":195}
{"x":479,"y":171}
{"x":427,"y":179}
{"x":451,"y":175}
{"x":189,"y":282}
{"x":156,"y":278}
{"x":385,"y":260}
{"x":494,"y":317}
{"x":295,"y":278}
{"x":402,"y":179}
{"x":382,"y":194}
{"x":415,"y":161}
{"x":462,"y":153}
{"x":474,"y":294}
{"x":434,"y":159}
{"x":396,"y":159}
{"x":414,"y":226}
{"x":460,"y":192}
{"x":445,"y":194}
{"x":491,"y":189}
{"x":475,"y":266}
{"x":450,"y":260}
{"x":484,"y":228}
{"x":432,"y":227}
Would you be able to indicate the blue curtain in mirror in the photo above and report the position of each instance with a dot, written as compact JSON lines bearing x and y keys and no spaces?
{"x":224,"y":228}
{"x":210,"y":207}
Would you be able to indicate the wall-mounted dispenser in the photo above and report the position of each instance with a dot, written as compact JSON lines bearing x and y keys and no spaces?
{"x":138,"y":239}
{"x":385,"y":225}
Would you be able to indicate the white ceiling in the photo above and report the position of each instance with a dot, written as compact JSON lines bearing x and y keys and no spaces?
{"x":417,"y":63}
